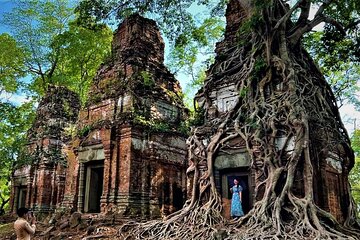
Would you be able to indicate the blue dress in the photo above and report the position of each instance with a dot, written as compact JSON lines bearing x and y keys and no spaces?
{"x":236,"y":208}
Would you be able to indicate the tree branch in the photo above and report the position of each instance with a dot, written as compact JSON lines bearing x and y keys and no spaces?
{"x":335,"y":24}
{"x":117,"y":8}
{"x":295,"y":36}
{"x":352,"y":24}
{"x":304,"y":15}
{"x":287,"y":15}
{"x":302,"y":27}
{"x":53,"y":67}
{"x":33,"y":70}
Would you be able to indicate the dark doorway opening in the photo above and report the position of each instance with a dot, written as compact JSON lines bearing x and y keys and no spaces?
{"x":227,"y":181}
{"x":22,"y":192}
{"x":178,"y":197}
{"x":93,"y":187}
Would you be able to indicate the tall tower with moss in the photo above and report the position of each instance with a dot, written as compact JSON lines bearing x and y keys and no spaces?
{"x":130,"y":154}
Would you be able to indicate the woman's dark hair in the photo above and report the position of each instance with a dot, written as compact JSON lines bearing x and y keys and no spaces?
{"x":22,"y":211}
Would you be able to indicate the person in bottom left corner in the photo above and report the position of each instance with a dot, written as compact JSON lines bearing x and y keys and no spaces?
{"x":25,"y":224}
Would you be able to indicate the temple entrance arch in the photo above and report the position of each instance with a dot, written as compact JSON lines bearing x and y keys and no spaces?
{"x":244,"y":177}
{"x":93,"y":186}
{"x":21,"y":196}
{"x":91,"y":178}
{"x":231,"y":165}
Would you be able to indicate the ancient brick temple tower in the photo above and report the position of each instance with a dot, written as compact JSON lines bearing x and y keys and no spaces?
{"x":130,"y":157}
{"x":233,"y":161}
{"x":41,"y":185}
{"x":219,"y":96}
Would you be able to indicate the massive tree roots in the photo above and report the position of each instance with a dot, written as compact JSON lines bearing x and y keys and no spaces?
{"x":281,"y":96}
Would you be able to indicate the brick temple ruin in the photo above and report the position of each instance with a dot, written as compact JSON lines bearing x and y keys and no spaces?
{"x":331,"y":191}
{"x":130,"y":156}
{"x":41,"y":184}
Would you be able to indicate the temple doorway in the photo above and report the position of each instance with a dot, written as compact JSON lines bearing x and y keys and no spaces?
{"x":93,"y":187}
{"x":227,"y":181}
{"x":22,"y":191}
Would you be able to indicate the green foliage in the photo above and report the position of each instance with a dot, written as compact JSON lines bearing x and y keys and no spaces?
{"x":152,"y":125}
{"x":260,"y":5}
{"x":337,"y":51}
{"x":243,"y":92}
{"x":197,"y":118}
{"x":184,"y":128}
{"x":81,"y":53}
{"x":246,"y":27}
{"x":34,"y":25}
{"x":171,"y":15}
{"x":11,"y":63}
{"x":14,"y":121}
{"x":259,"y":68}
{"x":71,"y":130}
{"x":4,"y":191}
{"x":174,"y":97}
{"x":339,"y":69}
{"x":192,"y":51}
{"x":191,"y":89}
{"x":158,"y":125}
{"x":355,"y":142}
{"x":147,"y":79}
{"x":57,"y":50}
{"x":354,"y":176}
{"x":354,"y":179}
{"x":83,"y":132}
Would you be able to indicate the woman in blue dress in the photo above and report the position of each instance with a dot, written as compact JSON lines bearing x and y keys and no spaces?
{"x":236,"y":208}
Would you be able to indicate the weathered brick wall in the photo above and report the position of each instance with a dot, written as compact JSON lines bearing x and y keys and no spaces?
{"x":142,"y":33}
{"x":44,"y":179}
{"x":159,"y":172}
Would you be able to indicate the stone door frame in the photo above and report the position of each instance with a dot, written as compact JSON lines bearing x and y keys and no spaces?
{"x":89,"y":167}
{"x":242,"y":172}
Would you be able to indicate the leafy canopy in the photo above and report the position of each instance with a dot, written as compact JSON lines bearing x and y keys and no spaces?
{"x":354,"y":176}
{"x":334,"y":46}
{"x":12,"y":63}
{"x":57,"y":50}
{"x":14,"y":122}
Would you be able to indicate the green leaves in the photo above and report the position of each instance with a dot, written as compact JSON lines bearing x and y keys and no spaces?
{"x":55,"y":49}
{"x":14,"y":122}
{"x":81,"y":51}
{"x":12,"y":63}
{"x":193,"y":51}
{"x":354,"y":176}
{"x":339,"y":66}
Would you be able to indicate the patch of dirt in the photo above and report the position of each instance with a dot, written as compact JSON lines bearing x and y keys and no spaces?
{"x":76,"y":226}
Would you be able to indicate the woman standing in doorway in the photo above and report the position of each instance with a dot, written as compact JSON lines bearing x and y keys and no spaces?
{"x":236,"y":208}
